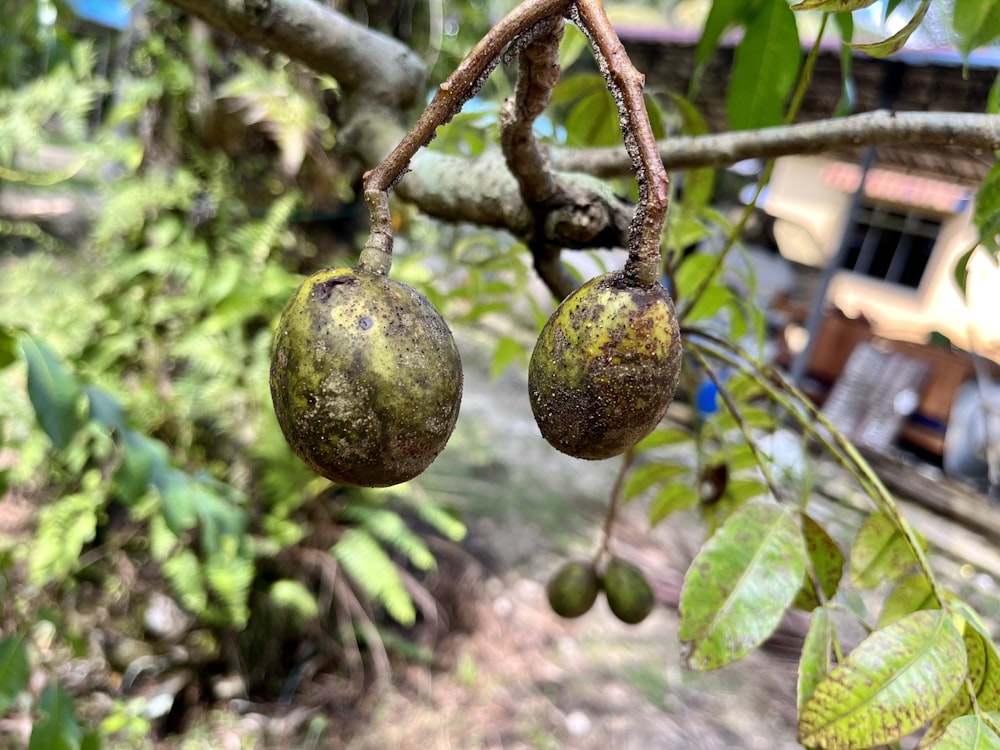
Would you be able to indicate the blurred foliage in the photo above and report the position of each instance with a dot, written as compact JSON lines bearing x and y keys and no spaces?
{"x":134,"y":356}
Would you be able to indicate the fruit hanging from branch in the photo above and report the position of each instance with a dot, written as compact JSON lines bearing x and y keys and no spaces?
{"x":365,"y":375}
{"x":366,"y":378}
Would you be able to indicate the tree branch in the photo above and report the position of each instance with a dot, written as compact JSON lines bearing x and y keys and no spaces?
{"x":537,"y":74}
{"x":877,"y":128}
{"x":328,"y":42}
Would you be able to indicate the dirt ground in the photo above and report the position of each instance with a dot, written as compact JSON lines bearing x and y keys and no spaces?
{"x":525,"y":678}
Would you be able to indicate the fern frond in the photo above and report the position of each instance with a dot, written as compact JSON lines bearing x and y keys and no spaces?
{"x":129,"y":202}
{"x":430,"y":511}
{"x":28,"y":231}
{"x":184,"y":571}
{"x":269,"y":98}
{"x":230,"y":577}
{"x":389,"y":527}
{"x":255,"y":240}
{"x":63,"y":528}
{"x":371,"y":569}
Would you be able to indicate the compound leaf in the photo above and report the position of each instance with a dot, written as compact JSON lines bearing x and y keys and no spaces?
{"x":893,"y":683}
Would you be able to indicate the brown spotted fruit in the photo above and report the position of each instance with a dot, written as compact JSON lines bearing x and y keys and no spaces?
{"x":605,"y":367}
{"x":366,"y":379}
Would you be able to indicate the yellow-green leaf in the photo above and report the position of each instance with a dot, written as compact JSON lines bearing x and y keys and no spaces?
{"x":896,"y":42}
{"x":827,"y":564}
{"x":983,"y":666}
{"x":970,"y":733}
{"x":893,"y":683}
{"x":880,"y":553}
{"x":740,"y":584}
{"x":833,"y":6}
{"x":911,"y":594}
{"x":816,"y":659}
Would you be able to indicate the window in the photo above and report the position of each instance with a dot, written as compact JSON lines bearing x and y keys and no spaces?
{"x":889,"y":243}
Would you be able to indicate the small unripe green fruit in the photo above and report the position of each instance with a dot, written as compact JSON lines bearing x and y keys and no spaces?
{"x":366,"y":378}
{"x":627,"y":590}
{"x":573,"y":589}
{"x":605,"y":367}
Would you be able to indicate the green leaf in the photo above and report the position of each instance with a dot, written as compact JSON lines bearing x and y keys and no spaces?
{"x":64,"y":527}
{"x":295,"y":597}
{"x":572,"y":46}
{"x":970,"y":733}
{"x":389,"y":527}
{"x":880,"y":553}
{"x":374,"y":573}
{"x":105,"y":409}
{"x":646,"y":476}
{"x":185,"y":574}
{"x":740,"y":584}
{"x":833,"y":6}
{"x":960,"y":273}
{"x":14,"y":670}
{"x":508,"y":351}
{"x":895,"y":43}
{"x":593,"y":121}
{"x":984,"y":675}
{"x":672,"y":498}
{"x":722,"y":16}
{"x":142,"y":458}
{"x":893,"y":683}
{"x":177,"y":499}
{"x":444,"y":521}
{"x":765,"y":68}
{"x":827,"y":563}
{"x":230,"y":577}
{"x":712,"y":300}
{"x":816,"y":659}
{"x":661,"y":437}
{"x":848,"y":88}
{"x":57,"y":729}
{"x":911,"y":594}
{"x":572,"y":88}
{"x":986,"y":212}
{"x":54,"y":391}
{"x":695,"y":271}
{"x":8,"y":347}
{"x":976,"y":23}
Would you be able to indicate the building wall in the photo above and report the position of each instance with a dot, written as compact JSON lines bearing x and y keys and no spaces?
{"x":811,"y":217}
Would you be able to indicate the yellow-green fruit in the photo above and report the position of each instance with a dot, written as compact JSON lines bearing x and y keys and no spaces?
{"x":628,"y":592}
{"x":605,"y":367}
{"x":366,"y":379}
{"x":573,"y":589}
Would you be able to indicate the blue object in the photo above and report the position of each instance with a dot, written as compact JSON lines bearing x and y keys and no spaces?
{"x":112,"y":14}
{"x":706,"y":399}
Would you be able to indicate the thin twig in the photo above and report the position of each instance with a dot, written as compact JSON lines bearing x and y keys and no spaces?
{"x":538,"y":73}
{"x":464,"y":83}
{"x":617,"y":493}
{"x":626,"y":84}
{"x":782,"y":391}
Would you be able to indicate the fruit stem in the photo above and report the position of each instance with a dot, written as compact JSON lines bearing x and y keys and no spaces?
{"x":376,"y":256}
{"x":626,"y":84}
{"x":617,"y":493}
